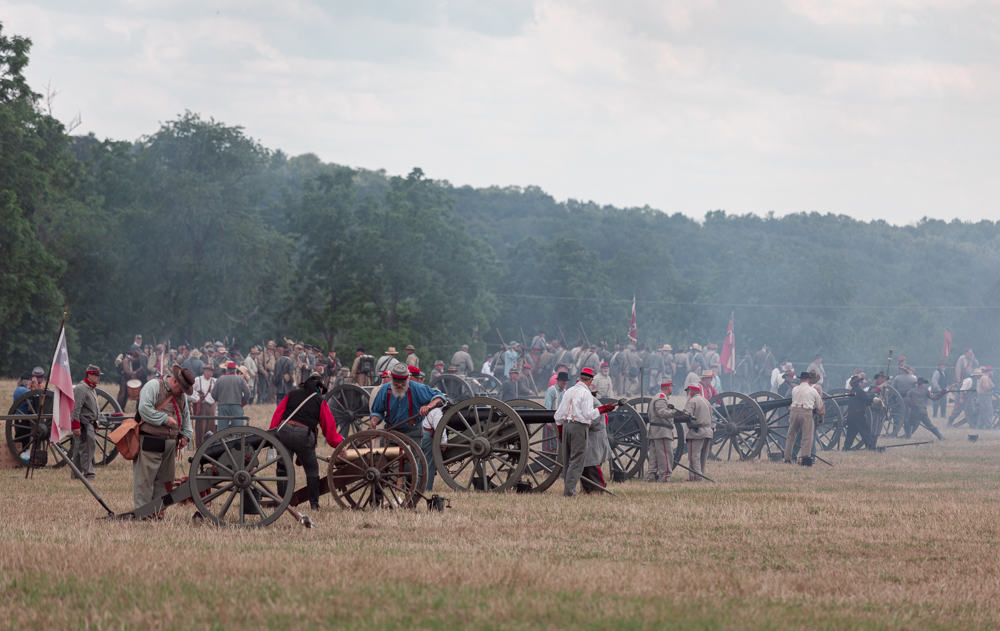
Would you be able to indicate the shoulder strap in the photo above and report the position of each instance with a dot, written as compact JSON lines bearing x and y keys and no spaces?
{"x":287,"y":418}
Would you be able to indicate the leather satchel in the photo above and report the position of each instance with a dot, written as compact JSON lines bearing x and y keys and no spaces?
{"x":126,"y":438}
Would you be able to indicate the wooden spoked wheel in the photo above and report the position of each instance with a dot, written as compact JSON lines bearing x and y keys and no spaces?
{"x":19,"y":431}
{"x":776,"y":420}
{"x":236,"y":471}
{"x":374,"y":469}
{"x":627,"y":437}
{"x":418,"y":455}
{"x":485,"y":385}
{"x":481,"y":444}
{"x":740,"y":429}
{"x":544,"y":465}
{"x":350,"y":405}
{"x":455,"y":387}
{"x":831,"y":431}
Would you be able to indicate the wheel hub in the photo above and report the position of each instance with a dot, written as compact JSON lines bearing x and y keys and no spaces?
{"x":480,"y":447}
{"x":372,"y":474}
{"x":242,"y":479}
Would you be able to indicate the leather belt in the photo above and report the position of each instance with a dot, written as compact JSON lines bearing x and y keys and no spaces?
{"x":297,"y":424}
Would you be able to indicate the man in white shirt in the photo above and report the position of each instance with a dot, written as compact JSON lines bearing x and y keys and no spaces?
{"x":573,"y":417}
{"x":805,"y":399}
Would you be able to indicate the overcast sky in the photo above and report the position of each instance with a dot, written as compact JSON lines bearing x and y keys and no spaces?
{"x":873,"y":109}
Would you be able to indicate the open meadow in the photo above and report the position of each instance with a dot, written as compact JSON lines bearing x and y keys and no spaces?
{"x":906,"y":539}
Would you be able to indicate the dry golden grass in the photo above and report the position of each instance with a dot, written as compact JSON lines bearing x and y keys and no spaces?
{"x":907,"y":539}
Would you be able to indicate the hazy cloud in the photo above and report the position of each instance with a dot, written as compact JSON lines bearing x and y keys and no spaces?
{"x":872,"y":109}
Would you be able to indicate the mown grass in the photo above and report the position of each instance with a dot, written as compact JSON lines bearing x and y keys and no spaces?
{"x":907,"y":539}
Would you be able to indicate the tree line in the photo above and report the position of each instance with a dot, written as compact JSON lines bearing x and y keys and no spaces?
{"x":198,"y":232}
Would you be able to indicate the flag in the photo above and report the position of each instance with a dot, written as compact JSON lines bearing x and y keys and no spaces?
{"x":947,"y":345}
{"x":633,"y":332}
{"x":728,"y":358}
{"x":62,"y":391}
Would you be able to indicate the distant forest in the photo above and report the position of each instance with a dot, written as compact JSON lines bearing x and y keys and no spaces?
{"x":197,"y":232}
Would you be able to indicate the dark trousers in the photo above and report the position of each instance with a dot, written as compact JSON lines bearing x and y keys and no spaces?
{"x":301,"y":442}
{"x":857,"y":425}
{"x":916,"y":418}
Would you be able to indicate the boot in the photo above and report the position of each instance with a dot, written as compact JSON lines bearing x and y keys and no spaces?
{"x":806,"y":461}
{"x":312,"y":485}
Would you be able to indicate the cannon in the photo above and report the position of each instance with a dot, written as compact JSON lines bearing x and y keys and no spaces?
{"x":244,"y":477}
{"x":484,"y":444}
{"x":776,"y":408}
{"x":22,"y":422}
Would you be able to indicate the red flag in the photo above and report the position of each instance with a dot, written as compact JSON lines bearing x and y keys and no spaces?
{"x":728,"y":358}
{"x":62,"y":391}
{"x":947,"y":345}
{"x":633,"y":332}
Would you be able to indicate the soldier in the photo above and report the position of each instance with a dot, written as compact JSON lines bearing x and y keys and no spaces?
{"x":284,"y":373}
{"x":699,"y":432}
{"x":538,"y":346}
{"x":817,"y":367}
{"x":603,"y":383}
{"x":598,"y":448}
{"x":661,"y":434}
{"x":462,"y":361}
{"x":231,"y":393}
{"x":964,"y":365}
{"x":510,"y":358}
{"x":939,"y":383}
{"x":984,"y":397}
{"x":86,"y":411}
{"x":204,"y":404}
{"x":514,"y":387}
{"x":856,"y":422}
{"x":573,"y":418}
{"x":653,"y":368}
{"x":363,"y":368}
{"x":916,"y":409}
{"x":387,"y":360}
{"x":411,"y":358}
{"x":805,"y":399}
{"x":165,"y":428}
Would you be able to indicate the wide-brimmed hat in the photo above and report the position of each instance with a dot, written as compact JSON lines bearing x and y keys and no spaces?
{"x":805,"y":374}
{"x":666,"y":347}
{"x":562,"y":376}
{"x":391,"y":351}
{"x":183,"y":377}
{"x":410,"y":347}
{"x":196,"y":353}
{"x":707,"y":374}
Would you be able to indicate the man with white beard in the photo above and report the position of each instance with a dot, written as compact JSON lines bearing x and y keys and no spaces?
{"x":404,"y":400}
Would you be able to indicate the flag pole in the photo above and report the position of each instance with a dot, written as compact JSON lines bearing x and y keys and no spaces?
{"x":35,"y":440}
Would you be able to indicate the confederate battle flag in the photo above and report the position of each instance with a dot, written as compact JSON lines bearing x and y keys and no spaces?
{"x":633,"y":333}
{"x":62,"y":390}
{"x":947,"y":345}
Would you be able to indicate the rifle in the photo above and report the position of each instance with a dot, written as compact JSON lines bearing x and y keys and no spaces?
{"x":531,"y":375}
{"x":565,"y":341}
{"x":580,"y":324}
{"x":690,"y":470}
{"x":884,"y":447}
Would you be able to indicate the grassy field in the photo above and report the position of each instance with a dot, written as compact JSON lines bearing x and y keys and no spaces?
{"x":906,"y":539}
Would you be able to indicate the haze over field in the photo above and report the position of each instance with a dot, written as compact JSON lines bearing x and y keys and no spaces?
{"x":874,"y":110}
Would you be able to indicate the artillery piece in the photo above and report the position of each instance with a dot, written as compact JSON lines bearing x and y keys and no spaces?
{"x":22,"y":422}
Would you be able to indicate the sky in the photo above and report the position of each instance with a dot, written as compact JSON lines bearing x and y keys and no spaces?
{"x":873,"y":109}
